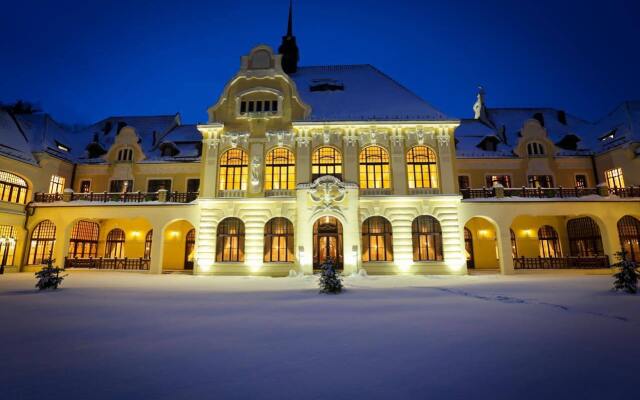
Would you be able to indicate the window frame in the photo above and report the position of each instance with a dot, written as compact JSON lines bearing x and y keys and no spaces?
{"x":615,"y":176}
{"x":44,"y":242}
{"x":418,"y":169}
{"x":13,"y":192}
{"x":432,"y":239}
{"x":372,"y":169}
{"x":230,"y":254}
{"x":489,"y":178}
{"x":549,"y":245}
{"x":84,"y":234}
{"x":381,"y":240}
{"x":532,"y":180}
{"x":114,"y":243}
{"x":8,"y":246}
{"x":536,"y":149}
{"x":233,"y":171}
{"x":284,"y":237}
{"x":319,"y":166}
{"x":148,"y":242}
{"x":168,"y":189}
{"x":585,"y":239}
{"x":277,"y":173}
{"x":56,"y":184}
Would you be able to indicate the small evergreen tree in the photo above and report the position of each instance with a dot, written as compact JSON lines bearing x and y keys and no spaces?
{"x":49,"y":276}
{"x":627,"y":277}
{"x":330,"y":280}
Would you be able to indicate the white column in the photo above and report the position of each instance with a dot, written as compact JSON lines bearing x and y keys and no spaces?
{"x":503,"y":236}
{"x":157,"y":249}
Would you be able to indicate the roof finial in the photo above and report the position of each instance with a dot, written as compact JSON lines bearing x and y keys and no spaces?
{"x":479,"y":108}
{"x":288,"y":48}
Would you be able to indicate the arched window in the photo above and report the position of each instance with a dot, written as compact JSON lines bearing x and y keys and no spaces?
{"x":189,"y":249}
{"x":7,"y":244}
{"x":514,"y":244}
{"x":426,"y":236}
{"x":376,"y":240}
{"x":13,"y":189}
{"x":326,"y":161}
{"x":234,"y":165}
{"x":549,"y":242}
{"x":278,"y":240}
{"x":535,"y":149}
{"x":422,"y":168}
{"x":375,"y":172}
{"x":43,"y":238}
{"x":280,"y":170}
{"x":148,"y":241}
{"x":584,"y":237}
{"x":84,"y":240}
{"x":629,"y":232}
{"x":114,"y":246}
{"x":230,"y":241}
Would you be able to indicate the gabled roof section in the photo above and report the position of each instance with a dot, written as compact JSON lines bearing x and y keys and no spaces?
{"x":46,"y":135}
{"x":359,"y":93}
{"x":620,"y":126}
{"x":13,"y":142}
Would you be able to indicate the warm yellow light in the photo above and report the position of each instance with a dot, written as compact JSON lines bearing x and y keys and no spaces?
{"x":135,"y":234}
{"x":175,"y":234}
{"x":483,"y":233}
{"x":527,"y":233}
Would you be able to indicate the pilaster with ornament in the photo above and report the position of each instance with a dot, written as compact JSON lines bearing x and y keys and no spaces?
{"x":210,"y":145}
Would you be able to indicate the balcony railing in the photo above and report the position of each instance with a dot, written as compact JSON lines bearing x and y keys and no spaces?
{"x":280,"y":193}
{"x":593,"y":262}
{"x":231,"y":193}
{"x":424,"y":191}
{"x":126,"y":197}
{"x":130,"y":264}
{"x":375,"y":192}
{"x":547,"y":193}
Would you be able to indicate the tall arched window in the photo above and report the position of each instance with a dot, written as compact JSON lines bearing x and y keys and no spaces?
{"x":7,"y":244}
{"x":278,"y":240}
{"x":426,"y":236}
{"x":375,"y":172}
{"x":376,"y":240}
{"x":148,"y":241}
{"x":422,"y":168}
{"x":43,"y":238}
{"x":234,"y":166}
{"x":84,"y":240}
{"x":514,"y":244}
{"x":326,"y":161}
{"x":230,"y":240}
{"x":280,"y":170}
{"x":549,"y":242}
{"x":629,"y":232}
{"x":114,"y":246}
{"x":584,"y":237}
{"x":12,"y":188}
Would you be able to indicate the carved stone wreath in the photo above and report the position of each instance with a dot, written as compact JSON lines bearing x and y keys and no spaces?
{"x":326,"y":191}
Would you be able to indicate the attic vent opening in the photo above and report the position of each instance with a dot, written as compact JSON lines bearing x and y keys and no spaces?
{"x":326,"y":85}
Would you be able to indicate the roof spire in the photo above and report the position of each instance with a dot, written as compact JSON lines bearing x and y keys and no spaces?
{"x":288,"y":48}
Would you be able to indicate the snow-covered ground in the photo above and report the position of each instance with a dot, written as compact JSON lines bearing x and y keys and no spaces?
{"x":125,"y":335}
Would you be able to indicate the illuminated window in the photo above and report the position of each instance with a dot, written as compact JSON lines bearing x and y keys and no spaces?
{"x":326,"y":161}
{"x":56,"y":184}
{"x":258,"y":106}
{"x":230,"y":241}
{"x":7,"y":244}
{"x":85,"y":186}
{"x":504,"y":180}
{"x":189,"y":249}
{"x":13,"y":189}
{"x":280,"y":170}
{"x":426,"y":236}
{"x":614,"y":178}
{"x":629,"y":233}
{"x":374,"y":168}
{"x":43,"y":239}
{"x":540,"y":181}
{"x":535,"y":149}
{"x":468,"y":248}
{"x":148,"y":241}
{"x":549,"y":242}
{"x":584,"y":237}
{"x":422,"y":168}
{"x":114,"y":246}
{"x":84,"y":240}
{"x":376,"y":240}
{"x":278,"y":240}
{"x":581,"y":181}
{"x":125,"y":154}
{"x":234,"y":165}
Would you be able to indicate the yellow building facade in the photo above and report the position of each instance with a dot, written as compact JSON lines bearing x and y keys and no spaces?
{"x":301,"y":165}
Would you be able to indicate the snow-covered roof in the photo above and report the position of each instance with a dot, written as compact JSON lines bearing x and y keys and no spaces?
{"x":620,"y":126}
{"x":506,"y":124}
{"x":358,"y":93}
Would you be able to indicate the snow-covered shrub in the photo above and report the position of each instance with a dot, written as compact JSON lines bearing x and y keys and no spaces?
{"x":49,"y":276}
{"x":627,"y":276}
{"x":330,"y":281}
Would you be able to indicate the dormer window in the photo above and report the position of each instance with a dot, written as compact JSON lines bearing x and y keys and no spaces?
{"x":258,"y":107}
{"x":125,"y":154}
{"x":609,"y":136}
{"x":326,"y":85}
{"x":535,"y":149}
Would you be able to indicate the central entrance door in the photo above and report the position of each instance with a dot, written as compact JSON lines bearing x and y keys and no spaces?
{"x":327,"y":242}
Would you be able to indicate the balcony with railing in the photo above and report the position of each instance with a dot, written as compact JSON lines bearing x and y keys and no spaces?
{"x":231,"y":194}
{"x":128,"y":264}
{"x":592,"y":262}
{"x":424,"y":191}
{"x":548,"y":193}
{"x":375,"y":192}
{"x":161,"y":196}
{"x":280,"y":193}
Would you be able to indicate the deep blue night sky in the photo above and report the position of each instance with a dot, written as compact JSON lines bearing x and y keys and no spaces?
{"x":82,"y":62}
